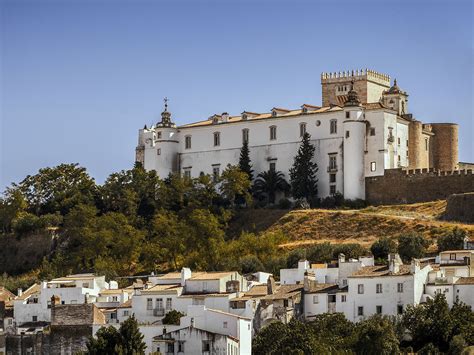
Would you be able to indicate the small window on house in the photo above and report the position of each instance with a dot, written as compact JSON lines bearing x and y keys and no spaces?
{"x":318,"y":123}
{"x":407,"y":154}
{"x":85,"y":285}
{"x":273,"y":166}
{"x":372,"y":131}
{"x":332,"y":162}
{"x":333,"y":127}
{"x":332,"y":189}
{"x":373,"y":166}
{"x":407,"y":142}
{"x":10,"y":321}
{"x":426,"y":144}
{"x":399,"y":287}
{"x":49,"y":304}
{"x":187,"y":142}
{"x":360,"y":289}
{"x":274,"y":113}
{"x":224,"y":325}
{"x":158,"y":151}
{"x":399,"y":158}
{"x":348,"y":114}
{"x":245,"y":135}
{"x":332,"y":178}
{"x":378,"y":288}
{"x":215,"y":173}
{"x":273,"y":133}
{"x":114,"y":298}
{"x":360,"y":311}
{"x":302,"y":129}
{"x":347,"y":134}
{"x":158,"y":135}
{"x":217,"y":139}
{"x":170,"y":348}
{"x":452,"y":256}
{"x":315,"y":299}
{"x":34,"y":318}
{"x":169,"y":303}
{"x":343,"y":298}
{"x":400,"y":309}
{"x":378,"y":309}
{"x":125,"y":313}
{"x":181,"y":347}
{"x":113,"y":315}
{"x":206,"y":346}
{"x":159,"y":303}
{"x":187,"y":173}
{"x":149,"y":303}
{"x":398,"y":140}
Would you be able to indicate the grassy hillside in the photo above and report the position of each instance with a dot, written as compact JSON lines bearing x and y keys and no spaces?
{"x":348,"y":226}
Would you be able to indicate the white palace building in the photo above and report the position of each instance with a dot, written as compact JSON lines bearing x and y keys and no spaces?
{"x":361,"y":129}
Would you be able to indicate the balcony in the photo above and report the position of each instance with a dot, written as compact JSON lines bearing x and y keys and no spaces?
{"x":332,"y":168}
{"x":159,"y":312}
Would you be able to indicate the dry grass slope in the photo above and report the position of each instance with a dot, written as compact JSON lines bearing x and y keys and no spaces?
{"x":303,"y":227}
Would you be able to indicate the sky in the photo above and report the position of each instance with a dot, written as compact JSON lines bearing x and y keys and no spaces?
{"x":79,"y":78}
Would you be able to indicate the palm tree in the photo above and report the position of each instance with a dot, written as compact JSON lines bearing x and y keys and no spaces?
{"x":268,"y":183}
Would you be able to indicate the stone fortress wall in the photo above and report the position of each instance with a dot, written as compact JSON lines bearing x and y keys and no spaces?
{"x":398,"y":186}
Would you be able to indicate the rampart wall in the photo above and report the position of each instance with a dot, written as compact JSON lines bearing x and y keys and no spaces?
{"x":399,"y":186}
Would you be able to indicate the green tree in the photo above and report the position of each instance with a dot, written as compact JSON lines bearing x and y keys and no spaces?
{"x":269,"y":183}
{"x":126,"y":341}
{"x":321,"y":252}
{"x":245,"y":164}
{"x":303,"y":172}
{"x":376,"y":335}
{"x":235,"y":184}
{"x":58,"y":189}
{"x":412,"y":246}
{"x":334,"y":330}
{"x":173,"y":317}
{"x":453,"y":240}
{"x":11,"y":206}
{"x":382,"y":247}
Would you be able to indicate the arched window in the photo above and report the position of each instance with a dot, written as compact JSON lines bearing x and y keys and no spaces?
{"x":273,"y":133}
{"x":187,"y":142}
{"x":245,"y":135}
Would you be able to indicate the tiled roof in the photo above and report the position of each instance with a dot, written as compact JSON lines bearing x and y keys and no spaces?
{"x":322,"y":288}
{"x":210,"y":275}
{"x":115,"y":291}
{"x":173,"y":288}
{"x":127,"y":304}
{"x":465,"y":281}
{"x":6,"y":296}
{"x":35,"y":288}
{"x":170,"y":275}
{"x":375,"y":271}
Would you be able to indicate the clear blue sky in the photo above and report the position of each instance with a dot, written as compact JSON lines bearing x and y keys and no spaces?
{"x":79,"y":78}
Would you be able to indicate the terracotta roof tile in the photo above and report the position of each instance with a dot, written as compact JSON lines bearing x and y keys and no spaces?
{"x":375,"y":271}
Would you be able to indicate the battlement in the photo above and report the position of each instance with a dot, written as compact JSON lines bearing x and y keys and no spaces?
{"x":367,"y":74}
{"x":417,"y":185}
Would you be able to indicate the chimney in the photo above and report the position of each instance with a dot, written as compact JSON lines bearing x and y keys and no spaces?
{"x":225,"y":117}
{"x":185,"y":274}
{"x":342,"y":258}
{"x":394,"y":263}
{"x":309,"y":280}
{"x":271,"y":285}
{"x":19,"y":292}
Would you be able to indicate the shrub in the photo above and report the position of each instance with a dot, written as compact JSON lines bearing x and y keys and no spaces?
{"x":173,"y":317}
{"x":412,"y":246}
{"x":453,"y":240}
{"x":250,"y":264}
{"x":382,"y":247}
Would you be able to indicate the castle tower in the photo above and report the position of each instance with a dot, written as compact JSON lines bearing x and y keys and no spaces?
{"x":444,"y":146}
{"x":354,"y":147}
{"x":415,"y":145}
{"x":369,"y":85}
{"x":396,"y":99}
{"x":166,"y":144}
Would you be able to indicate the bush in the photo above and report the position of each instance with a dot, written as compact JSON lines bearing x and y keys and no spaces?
{"x":382,"y":247}
{"x":453,"y":240}
{"x":294,"y":256}
{"x":355,"y":204}
{"x":173,"y":317}
{"x":284,"y":204}
{"x":412,"y":246}
{"x":250,"y":264}
{"x":350,"y":250}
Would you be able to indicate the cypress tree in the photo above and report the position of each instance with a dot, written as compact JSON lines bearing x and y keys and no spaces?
{"x":303,"y":172}
{"x":244,"y":161}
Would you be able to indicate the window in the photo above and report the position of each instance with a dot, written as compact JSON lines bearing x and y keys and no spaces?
{"x":452,"y":256}
{"x":378,"y":309}
{"x":360,"y":311}
{"x":372,"y":131}
{"x":285,"y":303}
{"x":224,"y":325}
{"x":126,"y":313}
{"x":215,"y":173}
{"x":332,"y":178}
{"x":373,"y":166}
{"x":400,"y":287}
{"x":302,"y":129}
{"x":170,"y":348}
{"x":333,"y":127}
{"x":158,"y":135}
{"x":347,"y":134}
{"x":158,"y":151}
{"x":114,"y":298}
{"x":217,"y":139}
{"x":399,"y":158}
{"x":187,"y":173}
{"x":378,"y":288}
{"x":181,"y":347}
{"x":245,"y":135}
{"x":398,"y":140}
{"x":315,"y":299}
{"x":332,"y":162}
{"x":273,"y":133}
{"x":169,"y":303}
{"x":113,"y":315}
{"x":206,"y":346}
{"x":360,"y":289}
{"x":49,"y":304}
{"x":400,"y":309}
{"x":348,"y":114}
{"x":407,"y":153}
{"x":318,"y":123}
{"x":332,"y":189}
{"x":85,"y":285}
{"x":187,"y":142}
{"x":34,"y":318}
{"x":10,"y":321}
{"x":272,"y":166}
{"x":159,"y":303}
{"x":149,"y":303}
{"x":343,"y":298}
